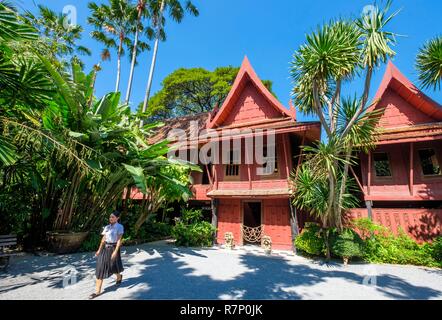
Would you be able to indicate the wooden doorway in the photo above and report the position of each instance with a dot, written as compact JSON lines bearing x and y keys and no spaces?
{"x":252,"y":222}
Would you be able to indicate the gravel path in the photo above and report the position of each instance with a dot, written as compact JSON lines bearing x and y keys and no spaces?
{"x":162,"y":271}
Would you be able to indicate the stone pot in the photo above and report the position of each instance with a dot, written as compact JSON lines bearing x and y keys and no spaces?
{"x":65,"y":241}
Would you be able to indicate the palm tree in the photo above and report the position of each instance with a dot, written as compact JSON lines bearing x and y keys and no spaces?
{"x":113,"y":25}
{"x":331,"y":56}
{"x":61,"y":38}
{"x":176,"y":13}
{"x":429,"y":63}
{"x":138,"y":46}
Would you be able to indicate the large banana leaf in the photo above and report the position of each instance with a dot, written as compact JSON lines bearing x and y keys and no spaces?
{"x":138,"y":176}
{"x":107,"y":106}
{"x":64,"y":88}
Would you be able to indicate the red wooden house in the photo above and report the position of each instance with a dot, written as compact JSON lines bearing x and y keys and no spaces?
{"x":242,"y":200}
{"x":401,"y":180}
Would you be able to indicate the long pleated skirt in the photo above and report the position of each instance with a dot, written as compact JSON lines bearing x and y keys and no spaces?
{"x":105,"y":265}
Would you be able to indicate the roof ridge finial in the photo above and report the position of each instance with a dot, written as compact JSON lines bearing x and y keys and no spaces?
{"x":292,"y":109}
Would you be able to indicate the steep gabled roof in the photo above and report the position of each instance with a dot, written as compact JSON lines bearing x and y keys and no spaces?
{"x":182,"y":123}
{"x":247,"y":74}
{"x":393,"y":79}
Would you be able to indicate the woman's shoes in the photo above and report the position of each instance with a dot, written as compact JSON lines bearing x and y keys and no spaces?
{"x":118,"y":282}
{"x":94,"y":295}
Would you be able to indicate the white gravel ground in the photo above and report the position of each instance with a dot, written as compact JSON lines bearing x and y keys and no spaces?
{"x":162,"y":271}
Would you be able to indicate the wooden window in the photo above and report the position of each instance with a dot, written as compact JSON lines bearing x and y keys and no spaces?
{"x":232,"y":169}
{"x":381,"y":164}
{"x":429,"y":163}
{"x":275,"y":159}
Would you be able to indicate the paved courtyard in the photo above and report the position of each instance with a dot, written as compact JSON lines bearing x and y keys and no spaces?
{"x":162,"y":271}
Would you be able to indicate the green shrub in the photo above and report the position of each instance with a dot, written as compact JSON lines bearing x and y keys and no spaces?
{"x":151,"y":230}
{"x":372,"y":242}
{"x":366,"y":228}
{"x":437,"y":250}
{"x":381,"y":246}
{"x":310,"y":240}
{"x":190,"y":231}
{"x":347,"y":244}
{"x":92,"y":242}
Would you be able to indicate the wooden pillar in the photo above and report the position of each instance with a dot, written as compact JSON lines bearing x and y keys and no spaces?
{"x":411,"y":176}
{"x":215,"y":176}
{"x":368,"y":203}
{"x":300,"y":154}
{"x":369,"y":173}
{"x":293,"y":224}
{"x":249,"y":170}
{"x":209,"y":174}
{"x":286,"y":154}
{"x":214,"y":205}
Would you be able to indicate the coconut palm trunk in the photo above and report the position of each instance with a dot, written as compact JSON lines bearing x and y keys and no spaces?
{"x":120,"y":48}
{"x":154,"y":58}
{"x":134,"y":52}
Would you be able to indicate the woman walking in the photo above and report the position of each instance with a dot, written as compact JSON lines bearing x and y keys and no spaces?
{"x":108,"y":254}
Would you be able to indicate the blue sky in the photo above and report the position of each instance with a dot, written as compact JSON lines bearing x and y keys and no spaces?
{"x":268,"y":32}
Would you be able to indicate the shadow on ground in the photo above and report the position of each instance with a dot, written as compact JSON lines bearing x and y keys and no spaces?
{"x":164,"y":272}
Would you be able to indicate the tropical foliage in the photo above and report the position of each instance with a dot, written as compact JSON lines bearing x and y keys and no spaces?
{"x":191,"y":231}
{"x":381,"y":246}
{"x":67,"y":157}
{"x":332,"y":56}
{"x":59,"y":36}
{"x":191,"y":91}
{"x":114,"y":24}
{"x":429,"y":63}
{"x":310,"y":240}
{"x":371,"y":242}
{"x":157,"y":8}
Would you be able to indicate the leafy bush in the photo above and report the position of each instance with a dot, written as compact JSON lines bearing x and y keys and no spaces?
{"x":190,"y":231}
{"x":437,"y":250}
{"x":381,"y":246}
{"x":151,"y":230}
{"x":373,"y":243}
{"x":310,"y":240}
{"x":347,"y":244}
{"x":367,"y":228}
{"x":92,"y":242}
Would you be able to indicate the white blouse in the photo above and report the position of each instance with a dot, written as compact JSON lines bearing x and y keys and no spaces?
{"x":112,"y":232}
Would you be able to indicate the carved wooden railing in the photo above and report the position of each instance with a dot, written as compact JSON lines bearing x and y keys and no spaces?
{"x":252,"y":234}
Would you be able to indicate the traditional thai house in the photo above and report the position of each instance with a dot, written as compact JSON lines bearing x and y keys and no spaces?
{"x":246,"y":195}
{"x":401,"y":180}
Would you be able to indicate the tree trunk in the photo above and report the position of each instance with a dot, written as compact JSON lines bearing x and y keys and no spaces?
{"x":330,"y":215}
{"x":152,"y":65}
{"x":134,"y":58}
{"x":326,"y":232}
{"x":126,"y":201}
{"x":343,"y":184}
{"x":120,"y":47}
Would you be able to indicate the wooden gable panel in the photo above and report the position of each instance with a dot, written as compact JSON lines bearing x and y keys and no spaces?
{"x":251,"y":106}
{"x":399,"y":112}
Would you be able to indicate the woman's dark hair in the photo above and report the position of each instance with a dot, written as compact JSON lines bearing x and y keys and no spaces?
{"x":116,"y":213}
